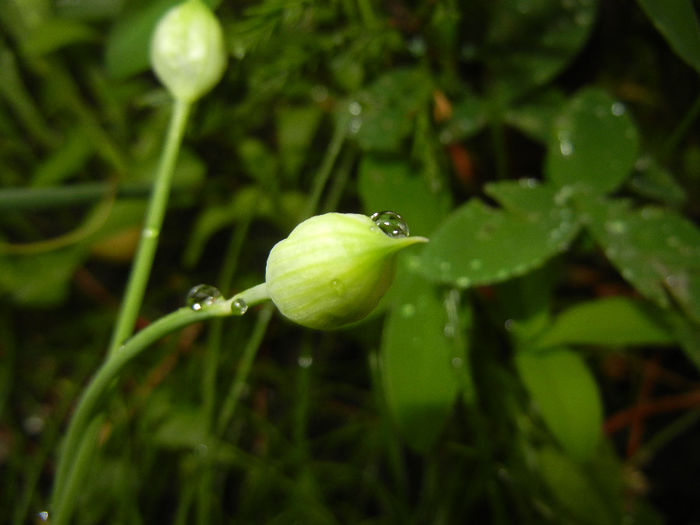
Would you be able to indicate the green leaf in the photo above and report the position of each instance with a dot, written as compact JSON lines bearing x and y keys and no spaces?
{"x":655,"y":249}
{"x":655,"y":182}
{"x":677,"y":21}
{"x":535,"y":116}
{"x":66,"y":160}
{"x":469,"y":248}
{"x":530,"y":41}
{"x":420,"y":382}
{"x":468,"y":118}
{"x":609,"y":321}
{"x":593,"y":145}
{"x":128,"y":44}
{"x":39,"y":280}
{"x":55,"y":33}
{"x":382,"y":115}
{"x":563,"y":389}
{"x":575,"y":490}
{"x":389,"y":184}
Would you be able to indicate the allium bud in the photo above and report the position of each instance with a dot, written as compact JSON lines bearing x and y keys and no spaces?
{"x":187,"y":50}
{"x":333,"y":268}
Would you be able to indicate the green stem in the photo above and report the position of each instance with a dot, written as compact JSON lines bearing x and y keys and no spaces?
{"x":324,"y":172}
{"x":51,"y":197}
{"x":67,"y":472}
{"x":211,"y":365}
{"x":151,"y":229}
{"x":681,"y":129}
{"x":229,"y":406}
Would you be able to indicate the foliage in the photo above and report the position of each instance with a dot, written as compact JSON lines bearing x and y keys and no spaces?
{"x":533,"y":363}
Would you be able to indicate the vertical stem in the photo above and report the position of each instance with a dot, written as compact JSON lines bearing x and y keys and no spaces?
{"x":681,"y":129}
{"x":324,"y":172}
{"x":145,"y":253}
{"x":211,"y":364}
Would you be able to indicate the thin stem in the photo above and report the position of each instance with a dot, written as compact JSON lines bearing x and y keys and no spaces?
{"x":151,"y":229}
{"x":51,"y":197}
{"x":324,"y":172}
{"x":211,"y":365}
{"x":80,"y":466}
{"x":74,"y":442}
{"x":681,"y":129}
{"x":229,"y":406}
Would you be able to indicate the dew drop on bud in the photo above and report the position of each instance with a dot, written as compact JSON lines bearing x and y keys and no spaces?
{"x":390,"y":223}
{"x":201,"y":296}
{"x":239,"y":306}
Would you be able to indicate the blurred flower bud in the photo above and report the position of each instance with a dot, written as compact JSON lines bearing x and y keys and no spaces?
{"x":187,"y":50}
{"x":333,"y":269}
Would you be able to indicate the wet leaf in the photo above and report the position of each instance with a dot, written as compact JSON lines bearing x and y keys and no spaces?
{"x":566,"y":396}
{"x":386,"y":184}
{"x":608,"y":321}
{"x":382,"y":115}
{"x":468,"y":248}
{"x":655,"y":249}
{"x":420,"y":382}
{"x":593,"y":145}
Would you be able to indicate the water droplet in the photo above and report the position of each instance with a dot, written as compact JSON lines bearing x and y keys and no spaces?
{"x":43,"y":515}
{"x":201,"y":449}
{"x":528,"y":182}
{"x":338,"y":286}
{"x":201,"y":296}
{"x":509,"y":325}
{"x":390,"y":223}
{"x":615,"y":227}
{"x":563,"y":195}
{"x":457,"y":362}
{"x":446,"y":136}
{"x":523,"y":7}
{"x":239,"y":306}
{"x":355,"y":125}
{"x":448,"y":330}
{"x":475,"y":264}
{"x":354,"y":108}
{"x":464,"y":281}
{"x":408,"y":310}
{"x":566,"y":148}
{"x":149,"y":232}
{"x":319,"y":93}
{"x":33,"y":425}
{"x":583,"y":18}
{"x":305,"y":361}
{"x":416,"y":46}
{"x":628,"y":274}
{"x":673,"y":242}
{"x":618,"y":109}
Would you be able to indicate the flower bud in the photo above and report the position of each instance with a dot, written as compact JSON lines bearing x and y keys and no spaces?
{"x":333,"y":268}
{"x":187,"y":50}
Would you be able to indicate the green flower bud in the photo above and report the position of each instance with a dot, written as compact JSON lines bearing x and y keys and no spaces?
{"x":187,"y":50}
{"x":333,"y":268}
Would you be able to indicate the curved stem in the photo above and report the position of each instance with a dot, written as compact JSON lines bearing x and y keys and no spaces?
{"x":68,"y":473}
{"x":145,"y":253}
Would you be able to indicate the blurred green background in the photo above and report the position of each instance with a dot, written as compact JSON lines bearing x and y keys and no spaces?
{"x":537,"y":362}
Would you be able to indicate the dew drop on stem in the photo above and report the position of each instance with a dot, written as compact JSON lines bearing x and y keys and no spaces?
{"x":202,"y":296}
{"x":239,"y":306}
{"x":391,"y":223}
